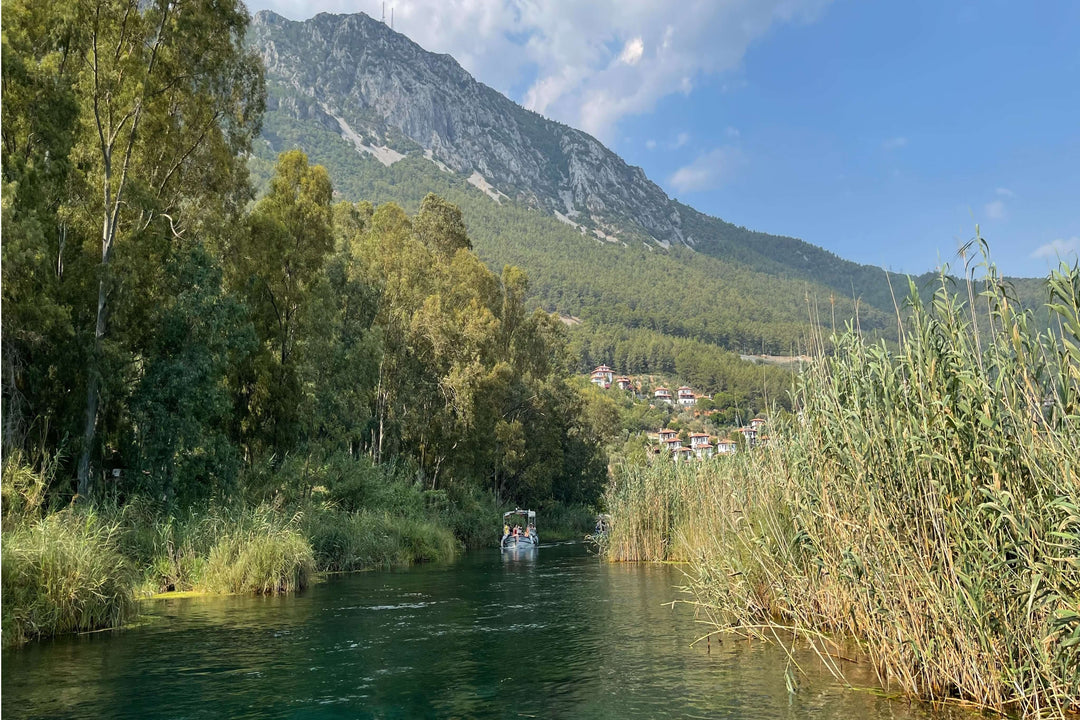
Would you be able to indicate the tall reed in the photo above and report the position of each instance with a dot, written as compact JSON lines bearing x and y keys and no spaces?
{"x":62,"y":573}
{"x":925,"y":501}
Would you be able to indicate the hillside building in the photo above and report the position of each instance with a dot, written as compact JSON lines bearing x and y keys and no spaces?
{"x":602,"y":377}
{"x":727,"y":446}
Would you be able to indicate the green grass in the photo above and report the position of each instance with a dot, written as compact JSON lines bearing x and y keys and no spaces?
{"x":62,"y":573}
{"x":565,"y":522}
{"x":267,"y":558}
{"x":925,"y":502}
{"x":363,"y":540}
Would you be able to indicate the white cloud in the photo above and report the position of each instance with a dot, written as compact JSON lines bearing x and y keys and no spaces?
{"x":708,"y":171}
{"x":1058,"y":248}
{"x":1005,"y":192}
{"x":895,"y":143}
{"x":584,"y":64}
{"x":632,"y":52}
{"x":732,"y":132}
{"x":995,"y":210}
{"x":650,"y":144}
{"x":680,"y":140}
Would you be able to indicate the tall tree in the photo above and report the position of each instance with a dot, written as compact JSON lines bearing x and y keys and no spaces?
{"x":278,"y":264}
{"x":170,"y":101}
{"x":40,"y":116}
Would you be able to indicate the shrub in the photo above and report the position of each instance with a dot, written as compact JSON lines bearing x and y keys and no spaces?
{"x":357,"y":541}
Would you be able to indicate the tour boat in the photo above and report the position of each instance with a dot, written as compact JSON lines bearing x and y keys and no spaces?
{"x":519,"y":530}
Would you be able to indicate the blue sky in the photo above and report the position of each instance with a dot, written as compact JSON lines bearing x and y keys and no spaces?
{"x":882,"y":132}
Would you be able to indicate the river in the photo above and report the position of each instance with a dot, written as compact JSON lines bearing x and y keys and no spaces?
{"x":549,"y":634}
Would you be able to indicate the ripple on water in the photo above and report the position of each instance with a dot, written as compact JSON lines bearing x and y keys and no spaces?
{"x":555,"y":634}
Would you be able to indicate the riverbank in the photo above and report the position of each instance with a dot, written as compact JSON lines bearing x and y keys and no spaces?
{"x":83,"y":567}
{"x":925,"y":501}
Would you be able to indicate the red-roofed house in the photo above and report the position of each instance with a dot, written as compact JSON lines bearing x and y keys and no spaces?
{"x":602,"y":377}
{"x":672,"y":444}
{"x":662,"y":394}
{"x":687,"y":396}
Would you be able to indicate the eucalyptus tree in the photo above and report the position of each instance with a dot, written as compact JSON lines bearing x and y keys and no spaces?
{"x":169,"y":101}
{"x":278,"y":265}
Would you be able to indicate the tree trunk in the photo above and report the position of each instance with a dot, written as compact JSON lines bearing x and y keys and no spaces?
{"x":93,"y":381}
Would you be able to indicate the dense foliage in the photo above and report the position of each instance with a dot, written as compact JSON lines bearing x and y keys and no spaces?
{"x":736,"y":289}
{"x":166,"y":338}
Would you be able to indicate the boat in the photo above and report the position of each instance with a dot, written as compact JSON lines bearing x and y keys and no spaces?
{"x":519,"y":530}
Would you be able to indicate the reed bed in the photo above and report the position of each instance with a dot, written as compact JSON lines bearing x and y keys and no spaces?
{"x":63,"y":573}
{"x":345,"y":541}
{"x":266,"y":559}
{"x":924,"y":501}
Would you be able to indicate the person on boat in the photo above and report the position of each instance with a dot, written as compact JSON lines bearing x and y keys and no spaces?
{"x":526,"y":532}
{"x":516,"y":529}
{"x":506,"y":530}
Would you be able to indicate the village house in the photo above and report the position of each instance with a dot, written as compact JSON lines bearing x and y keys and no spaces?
{"x":699,"y":440}
{"x":704,"y":452}
{"x":623,"y":382}
{"x":602,"y":377}
{"x":757,"y":423}
{"x":672,"y":444}
{"x":662,"y":394}
{"x":683,"y":454}
{"x":750,"y":434}
{"x":665,"y":435}
{"x":687,"y":396}
{"x":727,"y":446}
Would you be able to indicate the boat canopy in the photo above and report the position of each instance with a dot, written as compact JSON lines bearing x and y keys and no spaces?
{"x":530,"y":514}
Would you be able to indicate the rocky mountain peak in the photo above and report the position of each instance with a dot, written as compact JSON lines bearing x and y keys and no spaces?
{"x":389,"y":97}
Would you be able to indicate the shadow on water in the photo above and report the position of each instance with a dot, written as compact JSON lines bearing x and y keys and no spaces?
{"x":549,"y":632}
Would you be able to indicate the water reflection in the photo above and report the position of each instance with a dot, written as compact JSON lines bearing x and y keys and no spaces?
{"x":520,"y":555}
{"x":545,"y":633}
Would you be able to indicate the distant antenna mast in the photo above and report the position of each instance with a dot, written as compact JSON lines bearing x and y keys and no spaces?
{"x":384,"y":13}
{"x":391,"y":17}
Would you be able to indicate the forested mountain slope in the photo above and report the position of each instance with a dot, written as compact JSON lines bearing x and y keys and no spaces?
{"x":599,"y":241}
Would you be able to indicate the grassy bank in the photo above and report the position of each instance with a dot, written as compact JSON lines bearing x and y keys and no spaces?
{"x":925,"y":502}
{"x":81,"y":568}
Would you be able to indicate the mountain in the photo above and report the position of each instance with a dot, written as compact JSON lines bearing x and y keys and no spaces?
{"x":600,"y":241}
{"x":389,"y":96}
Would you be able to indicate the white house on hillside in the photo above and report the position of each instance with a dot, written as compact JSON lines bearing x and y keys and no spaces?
{"x":662,"y":394}
{"x":683,"y":454}
{"x":602,"y":377}
{"x":672,"y":444}
{"x":687,"y":396}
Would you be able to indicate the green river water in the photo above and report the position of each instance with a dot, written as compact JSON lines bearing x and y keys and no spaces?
{"x":553,"y":633}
